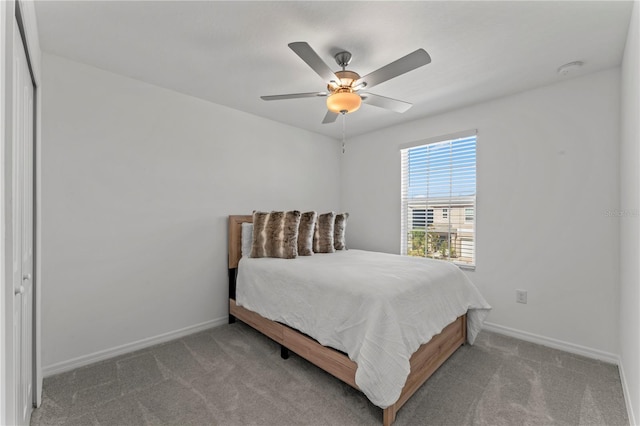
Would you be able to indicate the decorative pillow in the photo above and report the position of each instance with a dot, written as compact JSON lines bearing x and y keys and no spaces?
{"x":339,"y":228}
{"x":275,"y":234}
{"x":305,"y":233}
{"x":247,"y":239}
{"x":323,"y":236}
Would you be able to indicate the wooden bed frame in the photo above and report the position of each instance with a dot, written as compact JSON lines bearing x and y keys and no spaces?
{"x":424,"y":362}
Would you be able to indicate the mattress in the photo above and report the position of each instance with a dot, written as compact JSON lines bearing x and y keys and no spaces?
{"x":378,"y":308}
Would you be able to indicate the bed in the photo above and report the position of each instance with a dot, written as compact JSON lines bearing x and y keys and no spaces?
{"x":393,"y":363}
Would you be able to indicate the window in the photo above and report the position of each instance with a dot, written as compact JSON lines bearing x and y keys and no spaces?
{"x":421,"y":218}
{"x":468,"y":214}
{"x":429,"y":217}
{"x":417,"y":218}
{"x":440,"y":176}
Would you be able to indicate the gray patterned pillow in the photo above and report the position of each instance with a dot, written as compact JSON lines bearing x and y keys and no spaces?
{"x":305,"y":233}
{"x":339,"y":228}
{"x":323,"y":236}
{"x":275,"y":234}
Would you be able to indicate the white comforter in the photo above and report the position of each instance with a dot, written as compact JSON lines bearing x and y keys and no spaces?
{"x":378,"y":308}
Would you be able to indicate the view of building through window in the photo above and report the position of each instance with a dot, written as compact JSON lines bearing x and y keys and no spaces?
{"x":438,"y":200}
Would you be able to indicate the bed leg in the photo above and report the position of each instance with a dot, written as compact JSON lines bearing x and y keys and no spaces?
{"x":232,"y":291}
{"x":389,"y":415}
{"x":284,"y":352}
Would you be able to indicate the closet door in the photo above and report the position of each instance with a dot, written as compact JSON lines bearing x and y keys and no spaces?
{"x":22,"y":195}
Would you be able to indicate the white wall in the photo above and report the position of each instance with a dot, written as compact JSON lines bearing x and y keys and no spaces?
{"x":630,"y":220}
{"x":137,"y":185}
{"x":547,"y":173}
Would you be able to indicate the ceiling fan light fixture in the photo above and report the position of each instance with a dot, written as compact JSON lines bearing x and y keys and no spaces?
{"x":343,"y":101}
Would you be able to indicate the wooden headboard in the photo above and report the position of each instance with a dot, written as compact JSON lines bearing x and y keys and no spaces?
{"x":235,"y":238}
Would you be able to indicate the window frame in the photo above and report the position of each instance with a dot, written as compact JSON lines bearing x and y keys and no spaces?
{"x":447,"y":212}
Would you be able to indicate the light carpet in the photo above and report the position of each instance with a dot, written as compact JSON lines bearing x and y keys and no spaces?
{"x":233,"y":375}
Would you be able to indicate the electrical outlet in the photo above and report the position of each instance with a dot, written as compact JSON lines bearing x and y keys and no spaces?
{"x":521,"y":296}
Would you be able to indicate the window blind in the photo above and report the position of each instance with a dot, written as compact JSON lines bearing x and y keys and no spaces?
{"x":438,"y":200}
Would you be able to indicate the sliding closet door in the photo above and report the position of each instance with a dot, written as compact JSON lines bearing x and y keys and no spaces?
{"x":22,"y":194}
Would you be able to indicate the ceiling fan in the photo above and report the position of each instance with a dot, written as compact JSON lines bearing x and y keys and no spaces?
{"x":344,"y":87}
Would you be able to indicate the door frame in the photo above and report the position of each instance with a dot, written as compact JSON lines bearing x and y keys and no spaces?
{"x":35,"y":349}
{"x":24,"y":14}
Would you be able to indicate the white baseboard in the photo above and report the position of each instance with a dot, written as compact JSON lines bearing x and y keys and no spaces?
{"x":627,"y":397}
{"x":61,"y":367}
{"x":554,"y":343}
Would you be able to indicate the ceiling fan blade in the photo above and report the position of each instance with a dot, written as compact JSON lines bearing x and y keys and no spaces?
{"x":384,"y":102}
{"x":293,"y":96}
{"x":330,"y":117}
{"x":403,"y":65}
{"x":312,"y":59}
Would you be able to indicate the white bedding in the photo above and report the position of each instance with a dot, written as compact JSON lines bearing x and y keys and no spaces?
{"x":377,"y":307}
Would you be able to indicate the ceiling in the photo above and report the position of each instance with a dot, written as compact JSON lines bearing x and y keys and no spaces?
{"x":233,"y":52}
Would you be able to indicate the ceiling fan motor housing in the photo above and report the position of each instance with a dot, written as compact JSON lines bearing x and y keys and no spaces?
{"x":346,"y":79}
